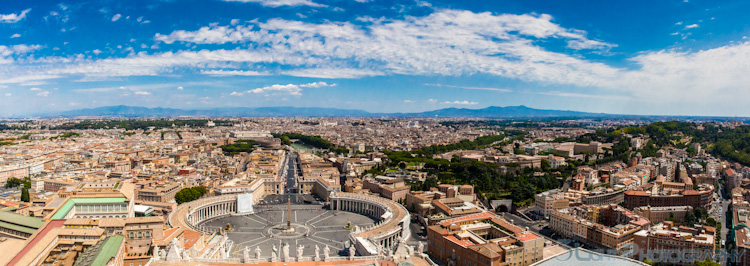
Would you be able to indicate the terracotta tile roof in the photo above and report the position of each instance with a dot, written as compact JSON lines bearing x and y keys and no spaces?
{"x":489,"y":250}
{"x":191,"y":237}
{"x":479,"y":216}
{"x":526,"y":237}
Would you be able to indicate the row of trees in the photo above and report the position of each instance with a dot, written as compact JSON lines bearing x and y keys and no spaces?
{"x":314,"y":141}
{"x":732,"y":143}
{"x":66,"y":135}
{"x":245,"y":145}
{"x":4,"y":127}
{"x":461,"y":145}
{"x":487,"y":179}
{"x":189,"y":194}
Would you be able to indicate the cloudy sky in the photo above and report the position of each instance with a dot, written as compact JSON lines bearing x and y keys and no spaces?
{"x":685,"y":57}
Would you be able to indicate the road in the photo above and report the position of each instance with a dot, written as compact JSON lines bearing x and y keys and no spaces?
{"x":291,"y":173}
{"x":417,"y":234}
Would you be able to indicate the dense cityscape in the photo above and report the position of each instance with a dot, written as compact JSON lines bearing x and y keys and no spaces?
{"x":372,"y":190}
{"x":374,"y":133}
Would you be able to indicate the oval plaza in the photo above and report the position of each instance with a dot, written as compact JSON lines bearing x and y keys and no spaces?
{"x":296,"y":214}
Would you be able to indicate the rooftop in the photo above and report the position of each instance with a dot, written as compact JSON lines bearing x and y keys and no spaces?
{"x":584,"y":257}
{"x":62,"y":211}
{"x":14,"y":218}
{"x":107,"y":250}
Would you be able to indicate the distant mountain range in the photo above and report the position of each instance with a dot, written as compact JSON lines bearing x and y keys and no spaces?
{"x":489,"y":112}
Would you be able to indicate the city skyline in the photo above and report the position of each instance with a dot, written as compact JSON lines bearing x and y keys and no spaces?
{"x":643,"y":58}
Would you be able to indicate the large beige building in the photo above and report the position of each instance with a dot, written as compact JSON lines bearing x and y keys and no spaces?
{"x":483,"y":239}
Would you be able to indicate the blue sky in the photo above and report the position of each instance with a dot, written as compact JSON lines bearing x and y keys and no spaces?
{"x":628,"y":57}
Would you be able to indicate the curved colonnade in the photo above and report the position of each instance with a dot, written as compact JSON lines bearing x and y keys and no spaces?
{"x":191,"y":214}
{"x":392,"y":226}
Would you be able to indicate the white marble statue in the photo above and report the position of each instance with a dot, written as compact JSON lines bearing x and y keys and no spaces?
{"x":257,"y":252}
{"x":351,"y":252}
{"x":157,"y":255}
{"x":246,"y":254}
{"x":420,"y":248}
{"x":317,"y":253}
{"x":326,"y":250}
{"x":300,"y":250}
{"x":274,"y":252}
{"x":174,"y":252}
{"x":402,"y":251}
{"x":285,"y":252}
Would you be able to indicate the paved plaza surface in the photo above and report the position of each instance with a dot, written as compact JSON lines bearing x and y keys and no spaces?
{"x":313,"y":225}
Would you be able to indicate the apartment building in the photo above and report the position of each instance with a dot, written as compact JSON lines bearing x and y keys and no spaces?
{"x":697,"y":242}
{"x":483,"y":239}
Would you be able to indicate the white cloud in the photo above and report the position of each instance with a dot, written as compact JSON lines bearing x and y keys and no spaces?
{"x":35,"y":89}
{"x":288,"y":89}
{"x":43,"y":93}
{"x":469,"y":88}
{"x":233,"y":73}
{"x":180,"y":88}
{"x":27,"y":79}
{"x":447,"y":42}
{"x":10,"y":54}
{"x":409,"y":101}
{"x":8,"y":94}
{"x":586,"y":44}
{"x":444,"y":43}
{"x":13,"y":17}
{"x":431,"y":101}
{"x":691,"y":26}
{"x":460,"y":102}
{"x":142,"y":93}
{"x":17,"y":49}
{"x":278,"y":3}
{"x":116,"y":17}
{"x":234,"y":22}
{"x":332,"y":73}
{"x":15,"y":36}
{"x":705,"y":76}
